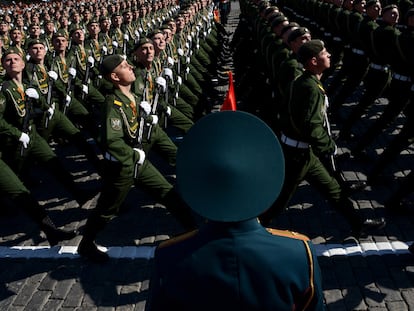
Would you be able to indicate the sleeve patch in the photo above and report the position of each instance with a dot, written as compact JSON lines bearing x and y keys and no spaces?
{"x":116,"y":124}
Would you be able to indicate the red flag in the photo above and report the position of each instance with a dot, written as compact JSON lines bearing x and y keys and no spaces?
{"x":230,"y":101}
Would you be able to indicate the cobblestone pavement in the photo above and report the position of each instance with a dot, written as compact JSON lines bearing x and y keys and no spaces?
{"x":378,"y":274}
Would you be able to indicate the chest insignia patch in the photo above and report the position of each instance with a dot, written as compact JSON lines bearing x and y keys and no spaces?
{"x":116,"y":124}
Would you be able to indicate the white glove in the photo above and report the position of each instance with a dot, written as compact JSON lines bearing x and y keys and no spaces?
{"x":146,"y":107}
{"x":168,"y":73}
{"x":24,"y":139}
{"x":188,"y":59}
{"x":91,"y":61}
{"x":50,"y":112}
{"x":161,"y":82}
{"x":170,"y":60}
{"x":187,"y":45}
{"x":115,"y":44}
{"x":104,"y":49}
{"x":126,"y":37}
{"x":179,"y":80}
{"x":32,"y":93}
{"x":187,"y":70}
{"x":72,"y":72}
{"x":204,"y":33}
{"x":180,"y":51}
{"x":168,"y":112}
{"x":136,"y":32}
{"x":141,"y":155}
{"x":68,"y":100}
{"x":53,"y":75}
{"x":27,"y":57}
{"x":85,"y":89}
{"x":189,"y":38}
{"x":154,"y":119}
{"x":140,"y":30}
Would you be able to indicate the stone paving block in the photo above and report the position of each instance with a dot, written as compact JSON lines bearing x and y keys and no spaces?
{"x":62,"y":288}
{"x":39,"y":299}
{"x":373,"y":296}
{"x":334,"y":300}
{"x":24,"y":295}
{"x":390,"y":289}
{"x":53,"y":305}
{"x":353,"y":298}
{"x":408,"y":296}
{"x":397,"y":306}
{"x":48,"y":283}
{"x":74,"y":297}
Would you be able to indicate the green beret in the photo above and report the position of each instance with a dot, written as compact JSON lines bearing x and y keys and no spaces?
{"x":104,"y":18}
{"x":142,"y":41}
{"x":59,"y":33}
{"x":110,"y":63}
{"x":93,"y":21}
{"x":154,"y":32}
{"x":371,"y":3}
{"x":11,"y":50}
{"x":74,"y":28}
{"x":310,"y":49}
{"x":278,"y":20}
{"x":297,"y":33}
{"x":35,"y":41}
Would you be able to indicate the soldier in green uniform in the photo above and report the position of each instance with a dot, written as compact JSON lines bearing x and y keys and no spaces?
{"x":175,"y":118}
{"x":128,"y":133}
{"x":21,"y":106}
{"x":86,"y":71}
{"x":306,"y":139}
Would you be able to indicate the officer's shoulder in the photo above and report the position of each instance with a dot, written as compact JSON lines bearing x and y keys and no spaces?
{"x":178,"y":239}
{"x":288,"y":234}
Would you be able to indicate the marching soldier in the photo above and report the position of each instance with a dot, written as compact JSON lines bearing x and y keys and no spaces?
{"x":306,"y":141}
{"x":22,"y":106}
{"x":128,"y":132}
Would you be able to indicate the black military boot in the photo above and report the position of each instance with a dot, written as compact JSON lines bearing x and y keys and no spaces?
{"x":87,"y":247}
{"x":55,"y":235}
{"x":38,"y":214}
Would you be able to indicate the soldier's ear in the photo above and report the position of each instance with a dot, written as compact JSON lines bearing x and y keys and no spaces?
{"x":114,"y":76}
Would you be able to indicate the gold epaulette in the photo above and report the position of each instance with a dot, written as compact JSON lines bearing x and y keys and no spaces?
{"x":288,"y":234}
{"x":118,"y":103}
{"x":177,"y":239}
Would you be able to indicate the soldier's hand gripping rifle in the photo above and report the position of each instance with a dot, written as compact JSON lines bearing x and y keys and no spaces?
{"x":161,"y":86}
{"x":52,"y":77}
{"x":31,"y":95}
{"x":85,"y":83}
{"x":69,"y":87}
{"x":138,"y":146}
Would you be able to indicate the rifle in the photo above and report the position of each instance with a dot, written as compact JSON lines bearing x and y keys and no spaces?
{"x":28,"y":114}
{"x":49,"y":91}
{"x":86,"y":77}
{"x":139,"y":142}
{"x":68,"y":88}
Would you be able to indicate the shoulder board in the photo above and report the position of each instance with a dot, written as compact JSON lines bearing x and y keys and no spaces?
{"x":288,"y":234}
{"x":177,"y":239}
{"x":118,"y":103}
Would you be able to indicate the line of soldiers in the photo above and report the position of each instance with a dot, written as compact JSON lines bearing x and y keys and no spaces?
{"x":63,"y":87}
{"x":376,"y":43}
{"x":288,"y":67}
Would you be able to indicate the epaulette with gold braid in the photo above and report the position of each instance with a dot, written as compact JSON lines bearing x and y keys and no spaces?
{"x":288,"y":234}
{"x":177,"y":239}
{"x":118,"y":103}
